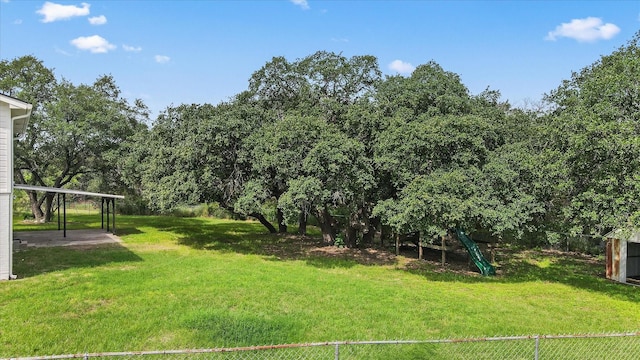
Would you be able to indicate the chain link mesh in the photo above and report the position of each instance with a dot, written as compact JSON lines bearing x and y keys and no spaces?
{"x":604,"y":346}
{"x":621,"y":348}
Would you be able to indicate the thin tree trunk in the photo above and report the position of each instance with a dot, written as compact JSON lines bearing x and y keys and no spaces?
{"x":35,"y":206}
{"x":354,"y":224}
{"x":372,"y":229}
{"x":325,"y":220}
{"x":302,"y":224}
{"x":258,"y":216}
{"x":48,"y":206}
{"x":351,"y":232}
{"x":328,"y":236}
{"x":264,"y":222}
{"x":282,"y":227}
{"x":351,"y":235}
{"x":386,"y":233}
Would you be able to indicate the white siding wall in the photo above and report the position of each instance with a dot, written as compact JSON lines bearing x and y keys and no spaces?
{"x":5,"y":161}
{"x":6,"y":176}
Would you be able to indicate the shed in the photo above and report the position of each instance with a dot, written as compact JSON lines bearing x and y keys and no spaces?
{"x":14,"y":117}
{"x":623,"y":256}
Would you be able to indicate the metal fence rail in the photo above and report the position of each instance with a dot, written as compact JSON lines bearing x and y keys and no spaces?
{"x":589,"y":346}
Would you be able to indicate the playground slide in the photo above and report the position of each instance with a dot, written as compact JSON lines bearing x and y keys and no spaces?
{"x":476,"y":255}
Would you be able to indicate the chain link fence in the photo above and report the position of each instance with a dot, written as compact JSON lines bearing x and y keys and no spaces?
{"x":619,"y":346}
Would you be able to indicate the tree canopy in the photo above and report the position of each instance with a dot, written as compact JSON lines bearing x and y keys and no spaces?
{"x":596,"y":125}
{"x":327,"y":138}
{"x":73,"y":131}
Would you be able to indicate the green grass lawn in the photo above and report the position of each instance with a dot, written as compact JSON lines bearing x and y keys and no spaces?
{"x":177,"y":283}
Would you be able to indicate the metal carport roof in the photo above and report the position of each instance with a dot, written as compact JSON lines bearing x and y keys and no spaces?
{"x":110,"y":199}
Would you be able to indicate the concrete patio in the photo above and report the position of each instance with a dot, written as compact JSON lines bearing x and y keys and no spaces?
{"x":50,"y":238}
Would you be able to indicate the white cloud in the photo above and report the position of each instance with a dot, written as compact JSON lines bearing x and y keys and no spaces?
{"x":95,"y":44}
{"x":17,"y":22}
{"x":345,"y":40}
{"x":54,"y":12}
{"x":131,"y":48}
{"x":302,"y":3}
{"x":162,"y":59}
{"x":401,"y":67}
{"x":584,"y":30}
{"x":98,"y":20}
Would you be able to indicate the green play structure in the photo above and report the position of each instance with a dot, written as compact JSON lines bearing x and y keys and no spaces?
{"x":476,"y":255}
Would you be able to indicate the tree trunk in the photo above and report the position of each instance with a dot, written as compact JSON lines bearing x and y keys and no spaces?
{"x":371,"y":230}
{"x":258,"y":216}
{"x":325,"y":220}
{"x":328,"y":235}
{"x":302,"y":224}
{"x":351,"y":236}
{"x":48,"y":206}
{"x":386,"y":233}
{"x":264,"y":222}
{"x":354,"y":224}
{"x":35,"y":207}
{"x":282,"y":227}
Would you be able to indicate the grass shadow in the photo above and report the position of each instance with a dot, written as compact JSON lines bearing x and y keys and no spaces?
{"x":522,"y":265}
{"x":252,"y":238}
{"x":332,"y":257}
{"x":37,"y":261}
{"x":515,"y":265}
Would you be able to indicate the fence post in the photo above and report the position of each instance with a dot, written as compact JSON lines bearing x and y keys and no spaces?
{"x":337,"y":353}
{"x":535,"y":356}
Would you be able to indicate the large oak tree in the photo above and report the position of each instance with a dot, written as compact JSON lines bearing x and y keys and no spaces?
{"x":73,"y":128}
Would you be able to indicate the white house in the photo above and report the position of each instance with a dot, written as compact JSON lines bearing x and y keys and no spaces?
{"x":14,"y":117}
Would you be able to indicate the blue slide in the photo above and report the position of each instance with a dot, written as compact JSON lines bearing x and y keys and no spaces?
{"x":476,"y":255}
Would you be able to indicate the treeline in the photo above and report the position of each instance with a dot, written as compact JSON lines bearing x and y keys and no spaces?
{"x":327,"y":138}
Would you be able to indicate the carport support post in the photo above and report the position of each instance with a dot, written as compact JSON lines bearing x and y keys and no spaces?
{"x":108,"y":220}
{"x":102,"y":213}
{"x":58,"y":211}
{"x":114,"y":216}
{"x":64,"y":212}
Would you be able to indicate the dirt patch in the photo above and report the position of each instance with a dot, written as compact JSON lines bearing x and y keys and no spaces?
{"x":361,"y":256}
{"x":294,"y":247}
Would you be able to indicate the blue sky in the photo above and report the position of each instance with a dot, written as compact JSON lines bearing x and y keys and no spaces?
{"x":174,"y":52}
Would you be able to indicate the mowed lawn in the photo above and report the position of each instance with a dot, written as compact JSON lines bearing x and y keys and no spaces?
{"x":179,"y":283}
